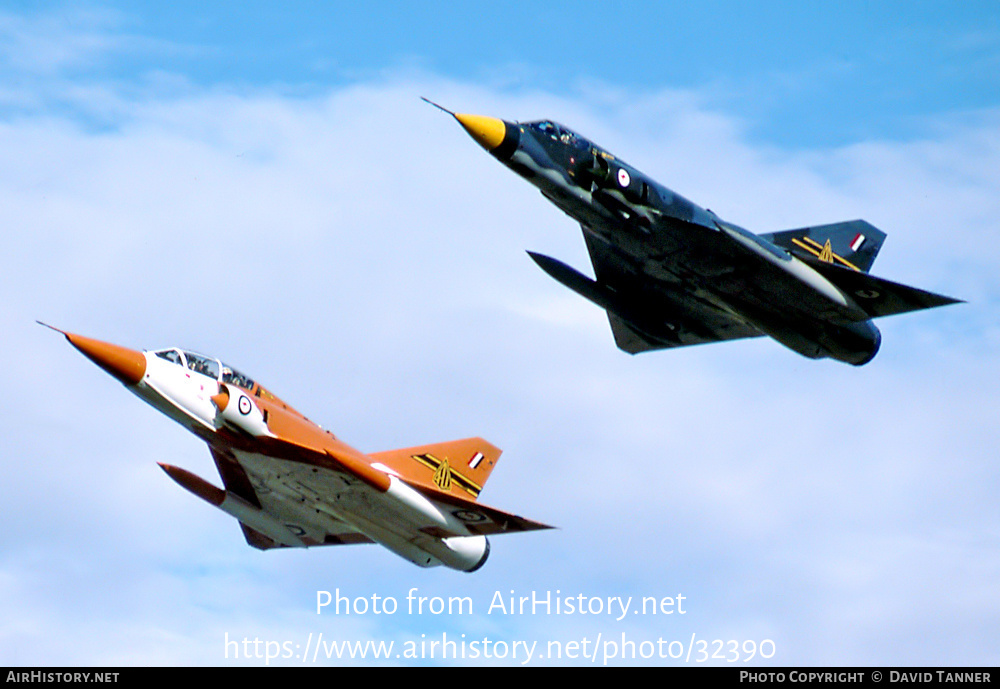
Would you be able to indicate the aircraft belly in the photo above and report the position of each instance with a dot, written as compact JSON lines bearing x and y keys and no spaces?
{"x":688,"y":284}
{"x":358,"y":510}
{"x":292,"y":501}
{"x":316,"y":500}
{"x":783,"y":308}
{"x":714,"y":270}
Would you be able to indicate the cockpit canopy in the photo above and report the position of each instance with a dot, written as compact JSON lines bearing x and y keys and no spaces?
{"x":557,"y":132}
{"x":213,"y":368}
{"x":207,"y":366}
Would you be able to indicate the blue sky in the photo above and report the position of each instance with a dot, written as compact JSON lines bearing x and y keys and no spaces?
{"x":796,"y":74}
{"x":154,"y":163}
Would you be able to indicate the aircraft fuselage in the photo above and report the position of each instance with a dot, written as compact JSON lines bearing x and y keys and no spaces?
{"x":686,"y":251}
{"x":291,"y":483}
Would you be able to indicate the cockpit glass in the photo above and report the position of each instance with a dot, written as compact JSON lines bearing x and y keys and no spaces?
{"x":545,"y":127}
{"x":548,"y":128}
{"x":557,"y":132}
{"x":203,"y":365}
{"x":234,"y":377}
{"x":208,"y":366}
{"x":171,"y":355}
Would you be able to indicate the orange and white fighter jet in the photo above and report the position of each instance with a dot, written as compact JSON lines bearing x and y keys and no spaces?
{"x":291,"y":483}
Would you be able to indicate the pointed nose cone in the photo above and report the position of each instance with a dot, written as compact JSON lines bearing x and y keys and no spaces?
{"x":127,"y":365}
{"x":488,"y":131}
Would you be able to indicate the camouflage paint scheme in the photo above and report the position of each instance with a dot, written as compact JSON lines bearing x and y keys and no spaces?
{"x":671,"y":274}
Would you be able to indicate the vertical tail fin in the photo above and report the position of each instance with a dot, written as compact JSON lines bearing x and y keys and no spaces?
{"x":459,"y":466}
{"x":853,"y":244}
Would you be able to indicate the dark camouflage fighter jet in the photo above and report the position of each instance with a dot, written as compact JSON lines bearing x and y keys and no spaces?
{"x":671,"y":274}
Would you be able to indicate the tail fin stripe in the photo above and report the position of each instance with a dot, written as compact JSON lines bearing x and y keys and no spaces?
{"x":817,"y":252}
{"x":432,"y":462}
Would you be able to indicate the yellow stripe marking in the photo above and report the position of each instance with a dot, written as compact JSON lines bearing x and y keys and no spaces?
{"x":819,"y":248}
{"x":813,"y":242}
{"x":811,"y":250}
{"x":432,"y":462}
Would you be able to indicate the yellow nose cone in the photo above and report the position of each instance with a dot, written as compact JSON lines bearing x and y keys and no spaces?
{"x":488,"y":131}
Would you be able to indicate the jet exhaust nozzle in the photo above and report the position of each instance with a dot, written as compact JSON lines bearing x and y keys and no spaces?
{"x":461,"y":553}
